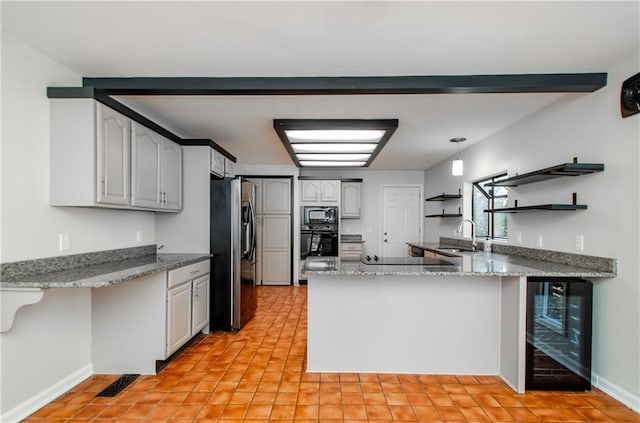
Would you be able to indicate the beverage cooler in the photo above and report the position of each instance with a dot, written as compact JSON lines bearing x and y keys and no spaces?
{"x":558,"y":334}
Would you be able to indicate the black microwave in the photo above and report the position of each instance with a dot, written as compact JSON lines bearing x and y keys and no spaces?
{"x":323,"y":215}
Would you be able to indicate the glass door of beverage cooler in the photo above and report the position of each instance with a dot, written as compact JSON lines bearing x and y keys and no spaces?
{"x":558,"y":334}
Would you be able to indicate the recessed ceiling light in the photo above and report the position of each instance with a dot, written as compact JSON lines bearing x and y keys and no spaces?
{"x":339,"y":156}
{"x":316,"y":163}
{"x":340,"y":142}
{"x":338,"y":148}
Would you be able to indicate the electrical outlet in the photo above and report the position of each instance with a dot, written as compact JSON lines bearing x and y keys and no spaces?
{"x":539,"y":241}
{"x":63,"y":241}
{"x":579,"y":243}
{"x":139,"y":236}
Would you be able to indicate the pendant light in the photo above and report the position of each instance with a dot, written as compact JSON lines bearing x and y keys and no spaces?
{"x":457,"y":166}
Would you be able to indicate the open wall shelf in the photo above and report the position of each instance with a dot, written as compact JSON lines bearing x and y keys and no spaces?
{"x":459,"y":214}
{"x":564,"y":169}
{"x":445,"y":197}
{"x":551,"y":207}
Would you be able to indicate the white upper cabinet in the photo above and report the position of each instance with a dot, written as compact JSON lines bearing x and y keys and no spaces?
{"x":113,"y":161}
{"x":350,"y":206}
{"x":146,"y":149}
{"x":276,"y":196}
{"x":229,"y":168}
{"x":171,"y":175}
{"x":217,"y":163}
{"x":156,"y":170}
{"x":101,"y":158}
{"x":320,"y":191}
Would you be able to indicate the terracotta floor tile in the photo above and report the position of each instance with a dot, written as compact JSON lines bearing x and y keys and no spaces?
{"x":257,"y":375}
{"x":377,"y":412}
{"x":402,"y":412}
{"x":354,"y":412}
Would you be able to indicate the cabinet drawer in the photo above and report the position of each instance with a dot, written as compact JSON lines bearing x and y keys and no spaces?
{"x":187,"y":273}
{"x":350,"y":256}
{"x":351,"y":247}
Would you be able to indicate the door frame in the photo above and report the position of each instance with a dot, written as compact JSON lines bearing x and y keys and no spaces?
{"x":420,"y":188}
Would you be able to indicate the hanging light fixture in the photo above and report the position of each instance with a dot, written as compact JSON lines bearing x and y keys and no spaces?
{"x":457,"y":166}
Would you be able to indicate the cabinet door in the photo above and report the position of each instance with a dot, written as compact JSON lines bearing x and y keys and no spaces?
{"x":309,"y":191}
{"x":276,"y":250}
{"x":178,"y":317}
{"x":200,"y":304}
{"x":329,"y":191}
{"x":350,"y":206}
{"x":171,"y":175}
{"x":229,"y":168}
{"x":217,"y":163}
{"x":113,"y":151}
{"x":146,"y":150}
{"x":276,"y":196}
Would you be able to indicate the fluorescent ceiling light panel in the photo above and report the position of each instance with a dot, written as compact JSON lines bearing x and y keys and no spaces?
{"x":316,"y":163}
{"x":342,"y":135}
{"x":334,"y":142}
{"x":337,"y":148}
{"x":334,"y":157}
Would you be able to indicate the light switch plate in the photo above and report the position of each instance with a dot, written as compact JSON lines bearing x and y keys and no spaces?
{"x":539,"y":241}
{"x":579,"y":243}
{"x":63,"y":241}
{"x":139,"y":235}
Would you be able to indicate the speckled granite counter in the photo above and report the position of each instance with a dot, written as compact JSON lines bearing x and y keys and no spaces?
{"x":102,"y":274}
{"x":467,"y":263}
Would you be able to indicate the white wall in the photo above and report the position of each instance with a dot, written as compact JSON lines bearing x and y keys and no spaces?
{"x":370,"y":222}
{"x":590,"y":127}
{"x":50,"y":342}
{"x":30,"y":227}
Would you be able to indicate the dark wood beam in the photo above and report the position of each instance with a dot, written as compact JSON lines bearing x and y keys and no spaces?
{"x":350,"y":85}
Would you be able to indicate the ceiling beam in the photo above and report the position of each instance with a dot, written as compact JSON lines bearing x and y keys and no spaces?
{"x":351,"y":85}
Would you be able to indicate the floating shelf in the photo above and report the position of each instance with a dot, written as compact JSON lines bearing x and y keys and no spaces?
{"x":551,"y":207}
{"x":445,"y":197}
{"x":459,"y":214}
{"x":564,"y":169}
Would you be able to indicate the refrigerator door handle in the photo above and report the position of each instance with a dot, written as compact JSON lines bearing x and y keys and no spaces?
{"x":252,"y":222}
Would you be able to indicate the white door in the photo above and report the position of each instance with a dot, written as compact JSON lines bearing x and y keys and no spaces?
{"x":276,"y":196}
{"x":401,"y":218}
{"x":145,"y":167}
{"x":113,"y":156}
{"x":259,"y":249}
{"x":200,"y":302}
{"x":178,"y":317}
{"x":276,"y":250}
{"x":172,"y":175}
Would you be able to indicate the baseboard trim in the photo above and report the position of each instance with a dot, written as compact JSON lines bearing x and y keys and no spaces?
{"x":45,"y":396}
{"x":613,"y":390}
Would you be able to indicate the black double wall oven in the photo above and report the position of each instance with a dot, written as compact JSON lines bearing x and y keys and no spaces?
{"x":319,"y":231}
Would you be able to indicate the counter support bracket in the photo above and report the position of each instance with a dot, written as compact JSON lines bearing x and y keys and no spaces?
{"x":12,"y":299}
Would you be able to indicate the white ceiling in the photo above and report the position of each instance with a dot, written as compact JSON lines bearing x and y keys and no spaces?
{"x":367,"y":38}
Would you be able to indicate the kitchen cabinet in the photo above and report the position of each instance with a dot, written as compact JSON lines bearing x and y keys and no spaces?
{"x":156,"y":170}
{"x":276,"y":196}
{"x":229,"y":168}
{"x":187,"y":304}
{"x":319,"y":191}
{"x":101,"y":158}
{"x":350,"y":251}
{"x":145,"y":320}
{"x":350,"y":205}
{"x":276,"y":249}
{"x":217,"y":163}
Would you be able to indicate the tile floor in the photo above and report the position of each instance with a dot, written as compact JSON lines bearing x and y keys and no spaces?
{"x":257,"y":376}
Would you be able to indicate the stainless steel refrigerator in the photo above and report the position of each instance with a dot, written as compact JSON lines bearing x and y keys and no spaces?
{"x":233,"y":245}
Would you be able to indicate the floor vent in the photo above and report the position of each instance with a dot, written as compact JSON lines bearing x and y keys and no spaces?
{"x":117,"y":386}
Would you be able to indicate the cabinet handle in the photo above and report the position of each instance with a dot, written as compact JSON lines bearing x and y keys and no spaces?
{"x":193,"y":272}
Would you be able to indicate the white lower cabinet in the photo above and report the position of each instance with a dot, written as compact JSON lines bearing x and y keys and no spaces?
{"x":138,"y":322}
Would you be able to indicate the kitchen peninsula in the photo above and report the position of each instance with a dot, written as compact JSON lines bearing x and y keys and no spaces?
{"x":466,"y":316}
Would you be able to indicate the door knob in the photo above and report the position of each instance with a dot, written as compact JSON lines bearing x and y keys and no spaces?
{"x":385,"y":240}
{"x":385,"y":233}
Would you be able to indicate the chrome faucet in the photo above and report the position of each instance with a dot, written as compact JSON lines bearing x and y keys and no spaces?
{"x":473,"y":232}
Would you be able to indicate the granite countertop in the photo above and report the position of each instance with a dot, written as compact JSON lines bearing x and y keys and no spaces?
{"x":466,"y":263}
{"x":104,"y":274}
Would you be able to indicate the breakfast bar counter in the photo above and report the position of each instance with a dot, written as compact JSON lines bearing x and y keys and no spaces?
{"x":464,"y":314}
